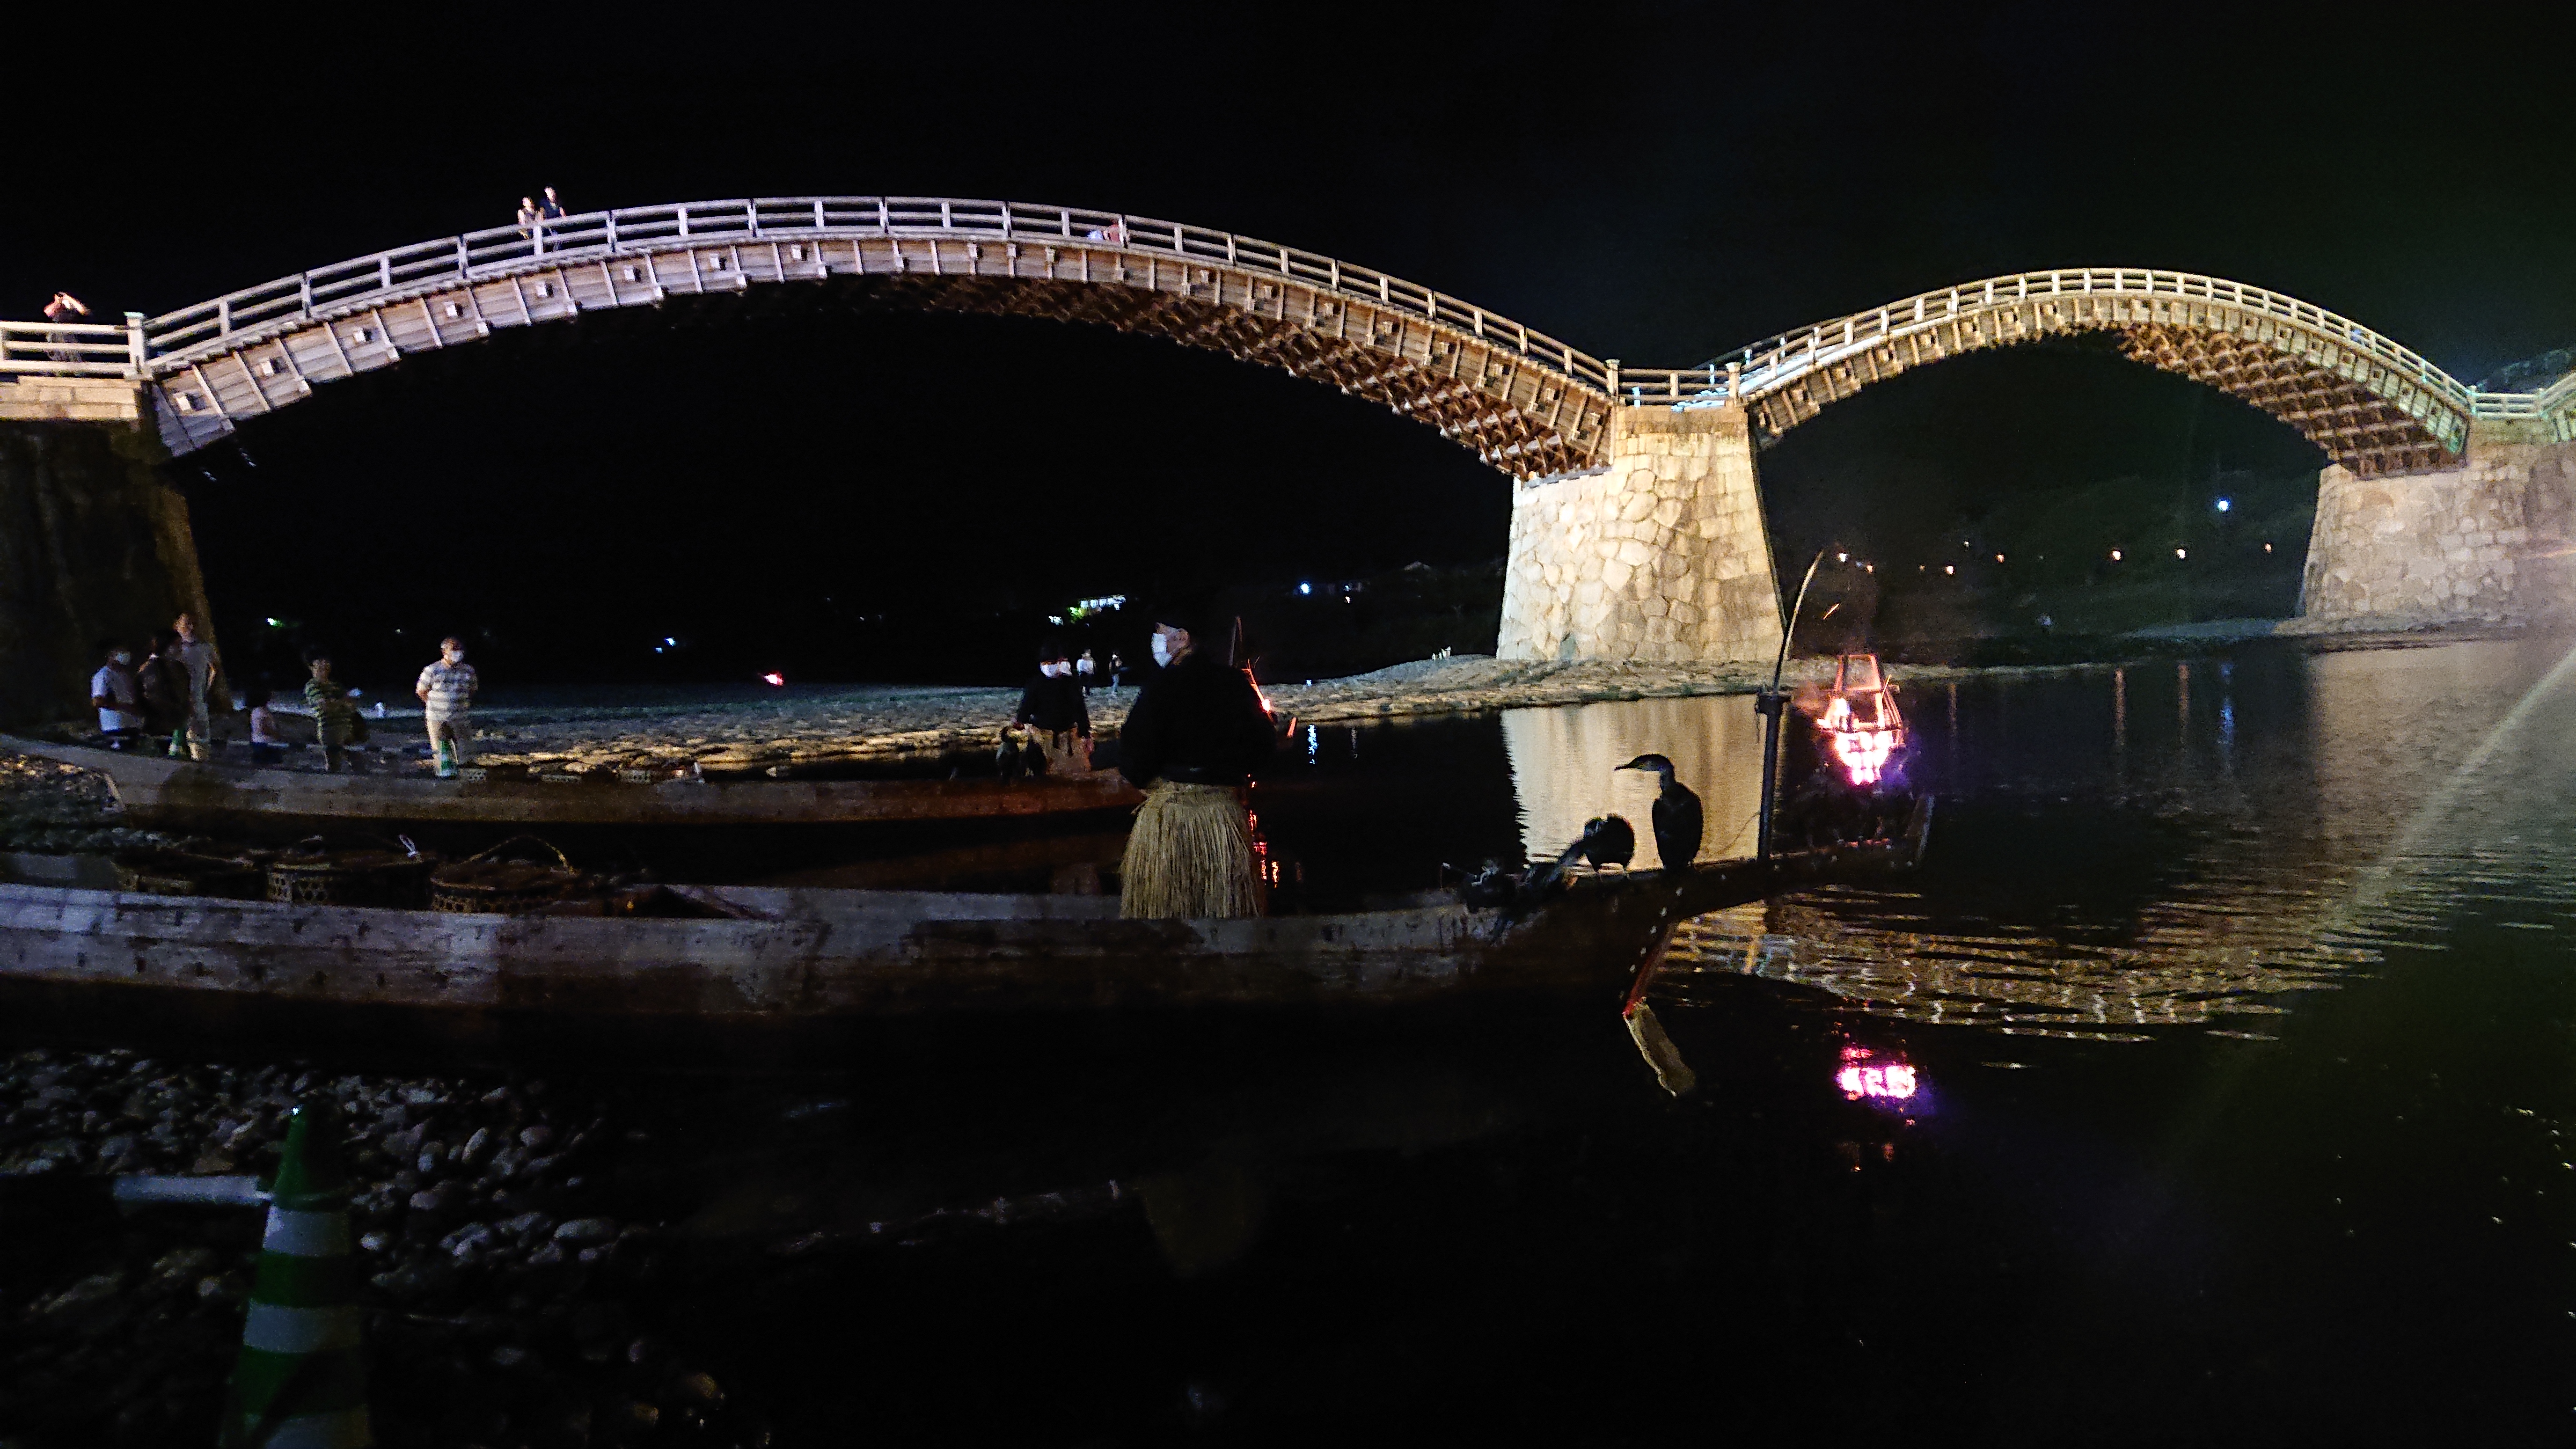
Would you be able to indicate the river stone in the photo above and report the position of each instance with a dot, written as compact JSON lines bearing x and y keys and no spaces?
{"x":587,"y":1230}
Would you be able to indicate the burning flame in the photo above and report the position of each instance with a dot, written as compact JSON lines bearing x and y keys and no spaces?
{"x":1863,"y":747}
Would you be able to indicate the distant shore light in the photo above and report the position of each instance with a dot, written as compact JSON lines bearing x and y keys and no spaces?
{"x":2222,"y":505}
{"x":2178,"y":553}
{"x":2115,"y":555}
{"x":773,"y":679}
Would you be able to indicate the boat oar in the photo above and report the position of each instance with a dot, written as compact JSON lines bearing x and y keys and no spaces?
{"x":1671,"y":1073}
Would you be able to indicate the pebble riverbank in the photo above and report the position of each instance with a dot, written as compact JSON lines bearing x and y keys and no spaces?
{"x":508,"y":1301}
{"x":885,"y":723}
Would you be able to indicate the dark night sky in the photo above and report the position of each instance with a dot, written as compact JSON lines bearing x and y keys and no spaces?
{"x":1655,"y":183}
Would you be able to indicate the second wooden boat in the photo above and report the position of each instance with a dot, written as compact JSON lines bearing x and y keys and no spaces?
{"x":155,"y":790}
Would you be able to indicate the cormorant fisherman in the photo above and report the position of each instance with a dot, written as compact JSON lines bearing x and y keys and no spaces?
{"x":1052,"y":706}
{"x":1677,"y":817}
{"x":1191,"y":741}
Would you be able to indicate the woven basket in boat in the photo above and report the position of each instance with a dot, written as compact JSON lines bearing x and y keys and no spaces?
{"x":159,"y":872}
{"x":496,"y":882}
{"x":349,"y":878}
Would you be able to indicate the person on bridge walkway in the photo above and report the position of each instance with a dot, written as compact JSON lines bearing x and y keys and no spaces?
{"x":1191,"y":742}
{"x":197,"y":657}
{"x":1052,"y":707}
{"x":550,"y":215}
{"x":68,"y":309}
{"x":446,"y":689}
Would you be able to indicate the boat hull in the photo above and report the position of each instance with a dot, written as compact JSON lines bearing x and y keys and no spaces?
{"x":891,"y":954}
{"x":784,"y":955}
{"x":157,"y":791}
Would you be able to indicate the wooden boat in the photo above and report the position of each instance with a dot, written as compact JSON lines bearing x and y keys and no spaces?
{"x":158,"y":791}
{"x":766,"y":954}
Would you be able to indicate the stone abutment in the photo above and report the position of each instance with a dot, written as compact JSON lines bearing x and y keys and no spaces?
{"x":1660,"y":555}
{"x":94,"y":542}
{"x":2486,"y":540}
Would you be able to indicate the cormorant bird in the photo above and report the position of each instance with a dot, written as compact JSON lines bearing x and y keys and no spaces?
{"x":1607,"y":840}
{"x":1677,"y":817}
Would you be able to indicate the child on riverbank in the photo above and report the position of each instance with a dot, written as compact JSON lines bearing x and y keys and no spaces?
{"x":265,"y":747}
{"x":335,"y":720}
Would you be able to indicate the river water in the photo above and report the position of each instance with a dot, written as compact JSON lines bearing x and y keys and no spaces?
{"x":2210,"y":1081}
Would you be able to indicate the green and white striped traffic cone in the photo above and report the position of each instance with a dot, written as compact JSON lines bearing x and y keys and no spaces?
{"x":301,"y":1380}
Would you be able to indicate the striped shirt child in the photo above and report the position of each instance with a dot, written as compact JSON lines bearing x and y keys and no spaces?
{"x":446,"y":689}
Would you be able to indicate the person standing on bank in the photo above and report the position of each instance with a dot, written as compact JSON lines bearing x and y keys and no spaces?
{"x":197,"y":656}
{"x":163,"y":680}
{"x":117,"y":695}
{"x":1191,"y":742}
{"x":1052,"y":706}
{"x":446,"y":690}
{"x":336,"y":722}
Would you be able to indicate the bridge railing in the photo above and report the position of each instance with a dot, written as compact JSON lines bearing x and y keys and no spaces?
{"x":1775,"y":362}
{"x":73,"y":349}
{"x":361,"y":282}
{"x":2554,"y":405}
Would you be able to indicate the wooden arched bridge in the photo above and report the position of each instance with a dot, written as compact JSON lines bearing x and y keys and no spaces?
{"x":1637,"y":525}
{"x":1527,"y":403}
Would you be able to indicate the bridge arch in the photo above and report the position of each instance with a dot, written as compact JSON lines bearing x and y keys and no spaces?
{"x":1637,"y":525}
{"x":2373,"y":405}
{"x":1524,"y":402}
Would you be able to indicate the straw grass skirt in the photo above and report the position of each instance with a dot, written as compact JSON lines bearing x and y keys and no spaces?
{"x":1189,"y":856}
{"x":1066,"y":753}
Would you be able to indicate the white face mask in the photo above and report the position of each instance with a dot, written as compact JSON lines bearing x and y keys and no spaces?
{"x":122,"y":656}
{"x":1162,"y":646}
{"x":454,"y":656}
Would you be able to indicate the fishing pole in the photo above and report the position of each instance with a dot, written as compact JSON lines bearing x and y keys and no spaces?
{"x":1769,"y":704}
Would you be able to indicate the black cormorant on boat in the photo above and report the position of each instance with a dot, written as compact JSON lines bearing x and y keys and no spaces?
{"x":1607,"y":840}
{"x":1679,"y":823}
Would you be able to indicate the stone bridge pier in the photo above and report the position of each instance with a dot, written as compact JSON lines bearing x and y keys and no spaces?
{"x":94,"y":542}
{"x":1659,"y":555}
{"x":2491,"y":538}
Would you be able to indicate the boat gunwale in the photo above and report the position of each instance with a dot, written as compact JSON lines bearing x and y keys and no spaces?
{"x":148,"y":786}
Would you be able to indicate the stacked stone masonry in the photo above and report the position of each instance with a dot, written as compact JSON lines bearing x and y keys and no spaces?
{"x":2485,"y":540}
{"x":94,"y":545}
{"x":1659,"y":556}
{"x":72,"y":400}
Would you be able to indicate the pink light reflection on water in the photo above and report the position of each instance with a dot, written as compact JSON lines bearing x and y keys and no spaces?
{"x":1861,"y":1076}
